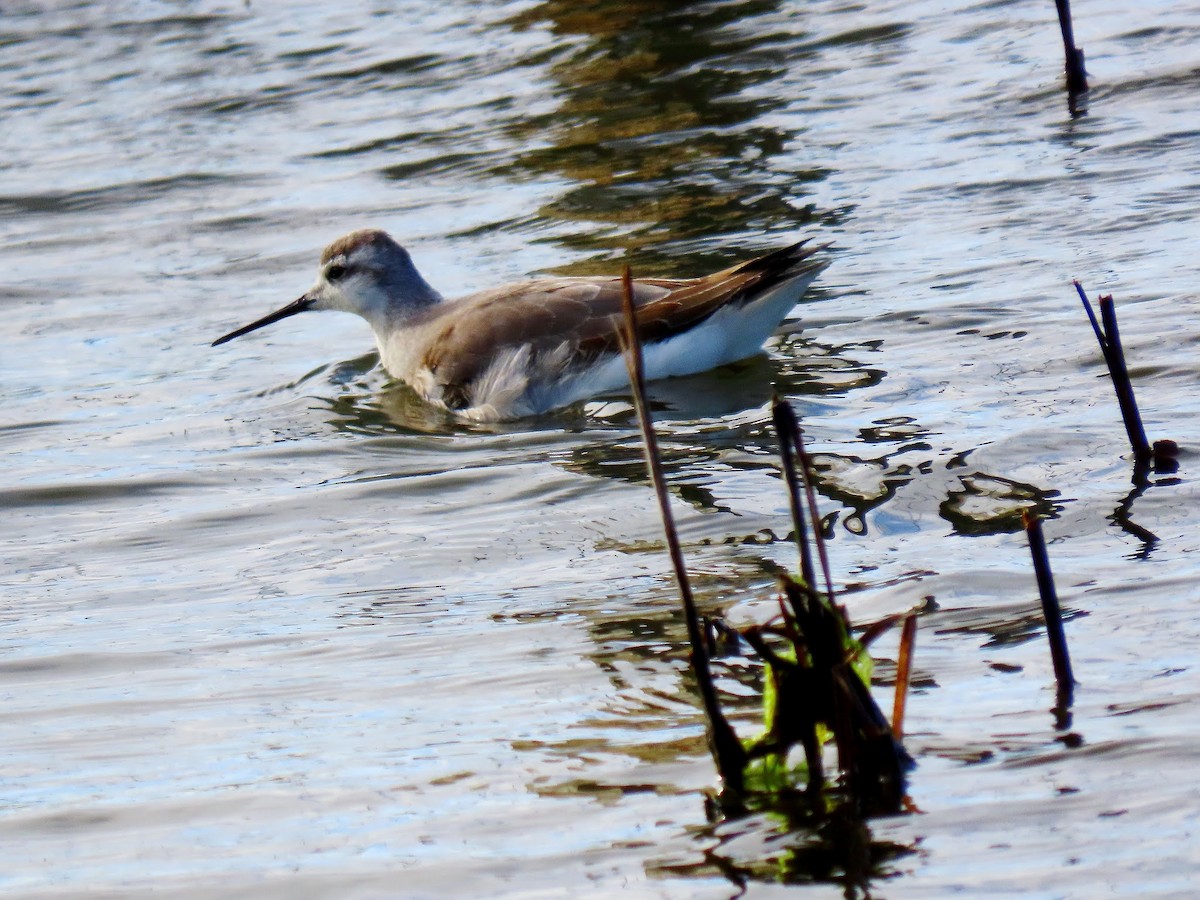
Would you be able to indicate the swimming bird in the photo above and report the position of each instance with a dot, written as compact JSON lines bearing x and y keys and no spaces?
{"x":532,"y":346}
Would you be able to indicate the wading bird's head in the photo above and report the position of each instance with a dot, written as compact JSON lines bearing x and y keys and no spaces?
{"x":366,"y":273}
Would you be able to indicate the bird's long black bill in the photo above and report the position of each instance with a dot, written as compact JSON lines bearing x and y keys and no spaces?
{"x":296,"y":306}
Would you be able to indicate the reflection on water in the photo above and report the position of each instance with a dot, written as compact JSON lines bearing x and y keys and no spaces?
{"x":374,"y":409}
{"x":1122,"y":516}
{"x":644,"y":655}
{"x":989,"y":504}
{"x":662,"y":134}
{"x":704,"y":402}
{"x":792,"y":849}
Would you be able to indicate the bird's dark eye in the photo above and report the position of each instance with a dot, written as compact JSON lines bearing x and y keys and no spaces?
{"x":335,"y":272}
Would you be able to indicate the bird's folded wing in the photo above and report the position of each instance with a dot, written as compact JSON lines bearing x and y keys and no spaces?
{"x":583,"y":313}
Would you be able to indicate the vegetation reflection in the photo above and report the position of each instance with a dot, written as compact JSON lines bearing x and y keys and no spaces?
{"x":661,"y":134}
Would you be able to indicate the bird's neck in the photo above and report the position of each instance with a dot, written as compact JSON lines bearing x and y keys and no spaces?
{"x":393,"y":303}
{"x":410,"y":298}
{"x":419,"y":295}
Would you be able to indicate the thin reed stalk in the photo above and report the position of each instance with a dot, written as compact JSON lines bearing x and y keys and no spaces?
{"x":786,"y":427}
{"x":1051,"y":610}
{"x":727,"y":750}
{"x":789,"y":431}
{"x":908,"y":638}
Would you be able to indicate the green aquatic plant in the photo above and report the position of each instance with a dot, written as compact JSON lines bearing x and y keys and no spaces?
{"x":816,"y":693}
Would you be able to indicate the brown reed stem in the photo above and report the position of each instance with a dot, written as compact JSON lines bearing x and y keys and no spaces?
{"x":727,"y":750}
{"x":908,"y":637}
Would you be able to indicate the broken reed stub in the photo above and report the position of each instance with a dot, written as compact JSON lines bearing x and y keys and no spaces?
{"x":1076,"y":74}
{"x":1114,"y":355}
{"x":1108,"y":336}
{"x":1051,"y":610}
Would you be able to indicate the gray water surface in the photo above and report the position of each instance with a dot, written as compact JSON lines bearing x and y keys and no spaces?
{"x":273,"y":627}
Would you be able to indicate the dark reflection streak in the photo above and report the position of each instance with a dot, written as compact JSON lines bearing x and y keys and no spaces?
{"x":1122,"y":515}
{"x":839,"y":850}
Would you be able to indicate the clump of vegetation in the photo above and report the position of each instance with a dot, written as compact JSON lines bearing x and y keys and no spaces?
{"x":816,"y":697}
{"x":817,"y":675}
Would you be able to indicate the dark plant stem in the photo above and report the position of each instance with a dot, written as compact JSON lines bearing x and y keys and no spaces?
{"x":727,"y":750}
{"x":812,"y":757}
{"x":794,"y":434}
{"x":1108,"y":336}
{"x":1087,"y":307}
{"x":1050,"y":608}
{"x":1115,"y":357}
{"x":784,"y":418}
{"x":1076,"y":75}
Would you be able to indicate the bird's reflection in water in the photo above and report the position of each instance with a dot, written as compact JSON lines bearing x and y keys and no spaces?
{"x":369,"y":403}
{"x":720,"y":417}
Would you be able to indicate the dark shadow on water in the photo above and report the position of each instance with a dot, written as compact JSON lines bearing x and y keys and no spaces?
{"x":1001,"y":625}
{"x":715,"y":419}
{"x":718,"y":421}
